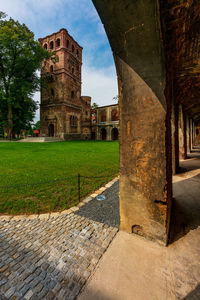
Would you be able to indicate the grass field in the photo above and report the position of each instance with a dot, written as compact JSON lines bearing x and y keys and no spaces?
{"x":31,"y":163}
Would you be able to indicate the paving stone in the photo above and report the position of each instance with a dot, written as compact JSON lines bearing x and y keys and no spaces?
{"x":10,"y":292}
{"x":88,"y":199}
{"x":50,"y":296}
{"x":24,"y":290}
{"x":4,"y":268}
{"x":74,"y":208}
{"x":81,"y":204}
{"x":38,"y":288}
{"x":94,"y":195}
{"x":44,"y":216}
{"x":43,"y":293}
{"x":68,"y":211}
{"x":28,"y":295}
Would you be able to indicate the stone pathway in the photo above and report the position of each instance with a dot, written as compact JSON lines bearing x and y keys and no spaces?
{"x":52,"y":256}
{"x":106,"y":211}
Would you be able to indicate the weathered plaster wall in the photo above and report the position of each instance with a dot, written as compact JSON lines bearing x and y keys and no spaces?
{"x":133,"y":29}
{"x":181,"y":133}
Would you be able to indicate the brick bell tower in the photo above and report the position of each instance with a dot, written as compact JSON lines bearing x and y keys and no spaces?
{"x":62,"y":106}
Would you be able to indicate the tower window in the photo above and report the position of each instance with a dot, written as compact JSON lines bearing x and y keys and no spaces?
{"x":67,"y":43}
{"x":51,"y":45}
{"x":58,"y":43}
{"x":73,"y":121}
{"x":77,"y":68}
{"x":45,"y":46}
{"x":72,"y":48}
{"x":52,"y":92}
{"x":72,"y":94}
{"x":77,"y":53}
{"x":51,"y":68}
{"x":72,"y":70}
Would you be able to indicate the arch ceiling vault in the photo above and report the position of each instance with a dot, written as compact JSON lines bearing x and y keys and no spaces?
{"x":156,"y":47}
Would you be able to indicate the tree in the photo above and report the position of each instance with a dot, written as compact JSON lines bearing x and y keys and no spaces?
{"x":20,"y":59}
{"x":37,"y":126}
{"x":116,"y":98}
{"x":94,"y":105}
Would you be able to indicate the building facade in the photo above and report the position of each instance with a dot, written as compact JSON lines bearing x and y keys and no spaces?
{"x":64,"y":113}
{"x":105,"y":123}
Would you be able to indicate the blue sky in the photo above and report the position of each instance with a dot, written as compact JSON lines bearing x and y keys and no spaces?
{"x":80,"y":18}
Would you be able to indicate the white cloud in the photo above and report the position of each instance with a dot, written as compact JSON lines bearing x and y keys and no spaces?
{"x":101,"y":85}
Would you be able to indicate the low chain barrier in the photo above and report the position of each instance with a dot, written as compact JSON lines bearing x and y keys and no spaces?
{"x":72,"y":188}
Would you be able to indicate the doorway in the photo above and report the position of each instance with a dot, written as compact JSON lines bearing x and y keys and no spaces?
{"x":115,"y":134}
{"x":51,"y":130}
{"x":103,"y":134}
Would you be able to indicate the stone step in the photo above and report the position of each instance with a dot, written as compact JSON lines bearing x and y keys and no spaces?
{"x":40,"y":140}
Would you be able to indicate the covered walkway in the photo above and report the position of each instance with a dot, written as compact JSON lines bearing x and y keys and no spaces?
{"x":135,"y":268}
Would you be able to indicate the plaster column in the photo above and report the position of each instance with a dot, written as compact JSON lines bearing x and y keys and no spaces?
{"x":108,"y":129}
{"x":184,"y":136}
{"x":134,"y":32}
{"x":173,"y":125}
{"x":176,"y":137}
{"x":188,"y":133}
{"x":180,"y":133}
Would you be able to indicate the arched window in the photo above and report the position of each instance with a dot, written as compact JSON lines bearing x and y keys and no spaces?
{"x":52,"y":92}
{"x":72,"y":94}
{"x":72,"y":70}
{"x":77,"y":67}
{"x":72,"y":48}
{"x":51,"y":68}
{"x":67,"y":43}
{"x":51,"y":45}
{"x":58,"y":43}
{"x":103,"y":115}
{"x":45,"y":46}
{"x":114,"y":115}
{"x":77,"y":53}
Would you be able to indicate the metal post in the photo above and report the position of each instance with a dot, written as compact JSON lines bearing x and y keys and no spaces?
{"x":79,"y":187}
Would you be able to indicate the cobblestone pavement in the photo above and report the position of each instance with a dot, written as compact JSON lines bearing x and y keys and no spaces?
{"x":106,"y":211}
{"x":51,"y":256}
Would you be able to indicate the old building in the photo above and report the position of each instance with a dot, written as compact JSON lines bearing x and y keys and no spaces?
{"x":105,"y":123}
{"x":64,"y":113}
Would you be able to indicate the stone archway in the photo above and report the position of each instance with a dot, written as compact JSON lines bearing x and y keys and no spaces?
{"x":51,"y":130}
{"x":115,"y":134}
{"x":103,"y":134}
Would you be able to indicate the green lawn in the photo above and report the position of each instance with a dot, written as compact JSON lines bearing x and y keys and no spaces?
{"x":30,"y":163}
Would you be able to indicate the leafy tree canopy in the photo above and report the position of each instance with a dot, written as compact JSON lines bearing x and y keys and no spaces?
{"x":20,"y":60}
{"x":37,"y":126}
{"x":94,"y":105}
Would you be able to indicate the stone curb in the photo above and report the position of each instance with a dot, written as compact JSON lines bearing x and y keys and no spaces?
{"x":47,"y":216}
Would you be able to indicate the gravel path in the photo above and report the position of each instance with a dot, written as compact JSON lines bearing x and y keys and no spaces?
{"x":106,"y":211}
